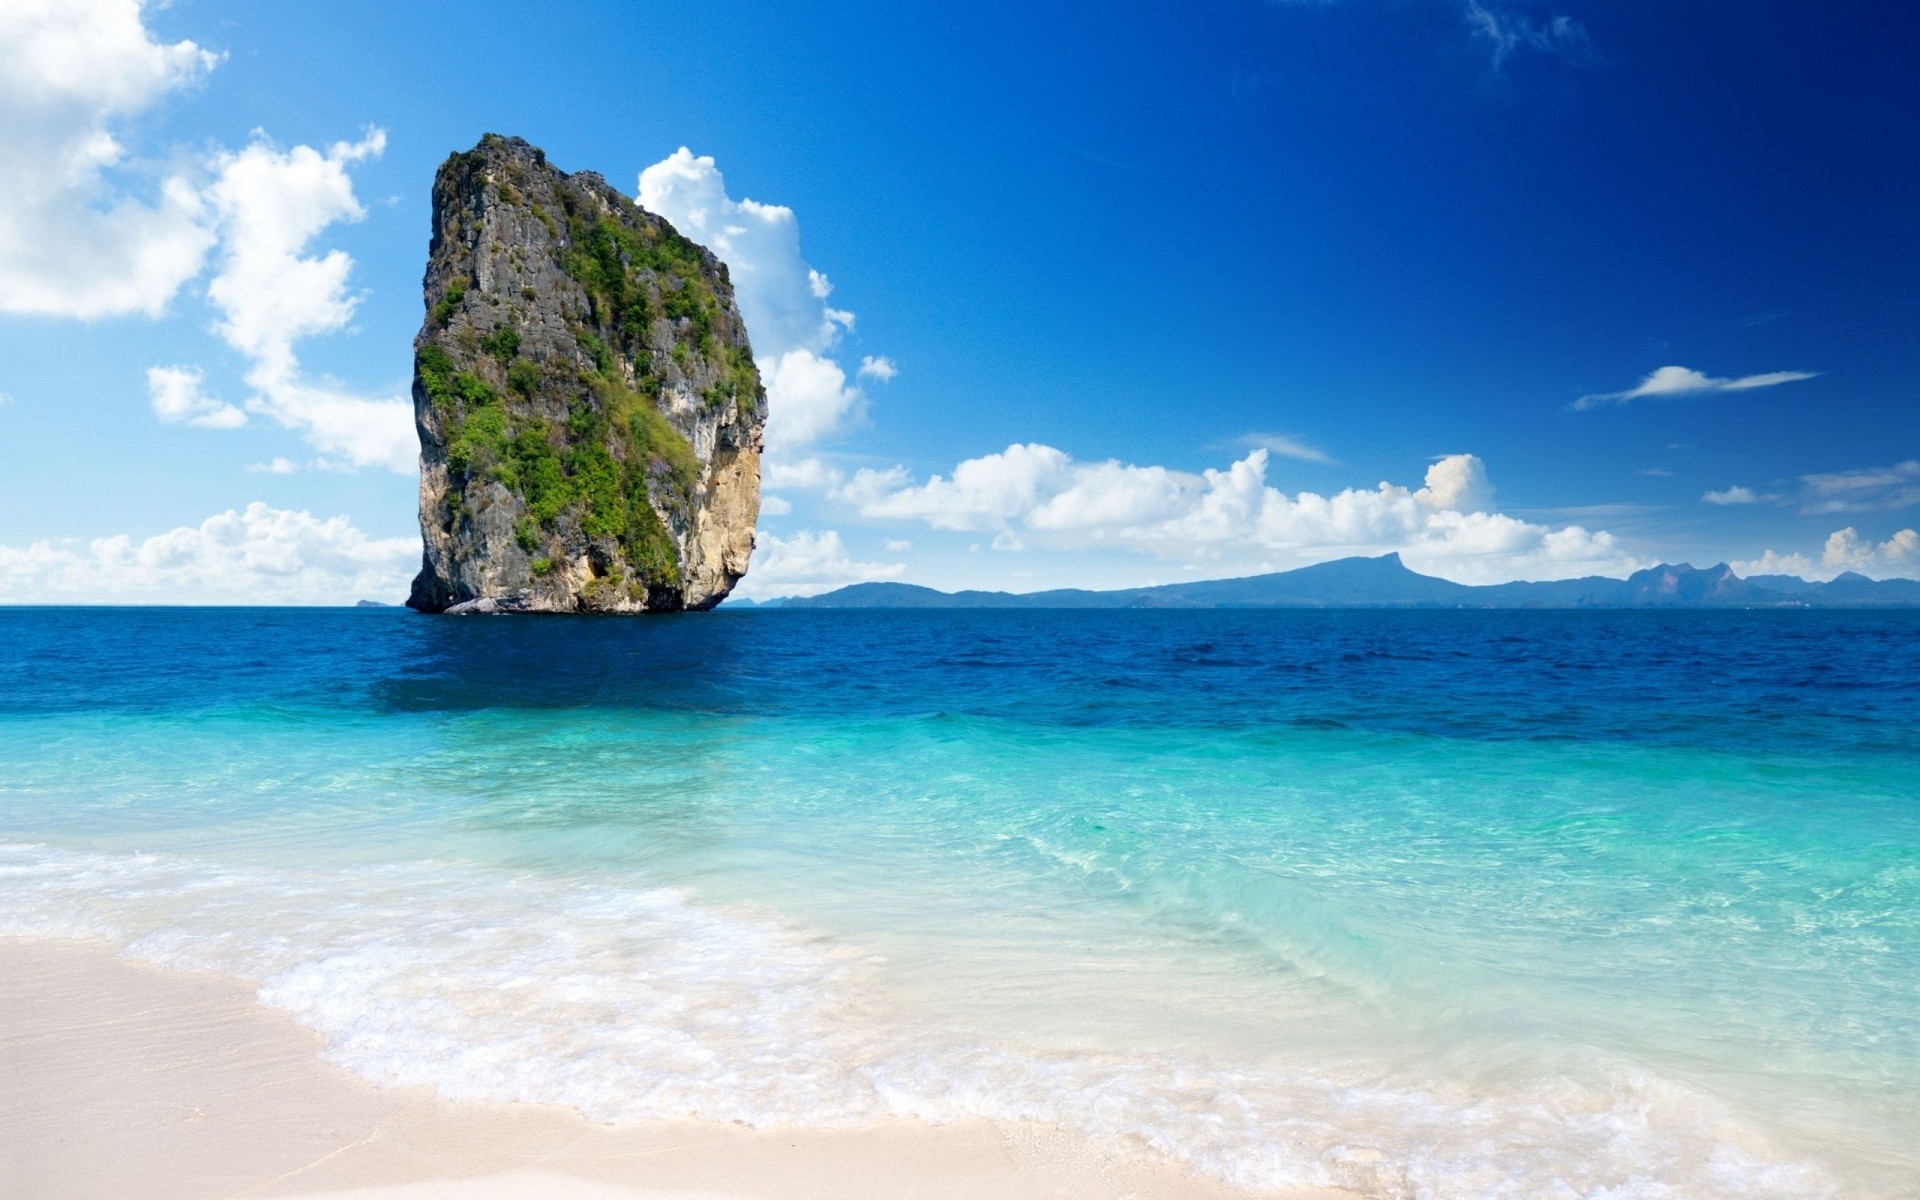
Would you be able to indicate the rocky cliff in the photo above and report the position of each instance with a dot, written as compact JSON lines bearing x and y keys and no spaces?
{"x":589,"y":413}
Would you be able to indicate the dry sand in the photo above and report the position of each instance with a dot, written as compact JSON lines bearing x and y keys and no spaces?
{"x":121,"y":1081}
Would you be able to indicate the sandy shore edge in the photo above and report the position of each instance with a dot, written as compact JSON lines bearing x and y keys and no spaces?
{"x":119,"y":1079}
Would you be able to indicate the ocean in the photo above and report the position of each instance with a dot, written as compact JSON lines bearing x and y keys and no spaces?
{"x":1505,"y":904}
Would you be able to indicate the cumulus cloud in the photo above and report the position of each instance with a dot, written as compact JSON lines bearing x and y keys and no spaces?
{"x":808,"y":563}
{"x":775,"y":506}
{"x":1036,"y":494}
{"x":807,"y":474}
{"x":75,"y":243}
{"x":177,"y":398}
{"x":782,"y":298}
{"x":262,"y":555}
{"x":1872,"y":489}
{"x":76,"y":238}
{"x":274,"y":466}
{"x":271,"y":292}
{"x":1844,"y":550}
{"x":1774,"y":563}
{"x":808,"y":398}
{"x":1669,"y":383}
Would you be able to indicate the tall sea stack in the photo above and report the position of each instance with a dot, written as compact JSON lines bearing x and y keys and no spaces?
{"x":590,"y":417}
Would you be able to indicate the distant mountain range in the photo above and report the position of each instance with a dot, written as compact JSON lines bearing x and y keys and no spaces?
{"x":1385,"y":582}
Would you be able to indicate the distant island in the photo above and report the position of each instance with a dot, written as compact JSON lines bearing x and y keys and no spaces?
{"x":1386,"y":582}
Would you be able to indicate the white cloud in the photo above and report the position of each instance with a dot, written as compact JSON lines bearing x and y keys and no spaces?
{"x":1868,"y":490}
{"x":984,"y":493}
{"x":1734,"y":495}
{"x":5,"y":399}
{"x":260,"y":556}
{"x":897,"y":545}
{"x":177,"y":398}
{"x":781,"y":298}
{"x":807,"y":399}
{"x":1673,"y":382}
{"x":271,"y":293}
{"x":276,"y":466}
{"x":1508,"y":32}
{"x":1773,"y":563}
{"x":271,"y":204}
{"x":1456,"y":483}
{"x":1287,"y":447}
{"x":774,"y":506}
{"x":75,"y":242}
{"x":1844,"y":550}
{"x":808,"y":563}
{"x":879,"y":367}
{"x":1038,"y":495}
{"x":808,"y":474}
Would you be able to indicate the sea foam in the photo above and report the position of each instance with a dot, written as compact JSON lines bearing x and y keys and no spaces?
{"x":633,"y":1002}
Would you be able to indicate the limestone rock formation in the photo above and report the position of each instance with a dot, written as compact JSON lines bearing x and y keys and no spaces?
{"x":590,"y":416}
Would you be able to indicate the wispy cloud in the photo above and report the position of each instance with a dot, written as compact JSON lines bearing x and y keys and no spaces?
{"x":1736,"y":495}
{"x":1508,"y":32}
{"x":1288,"y":447}
{"x":1595,"y":512}
{"x":1872,"y":489}
{"x":1669,"y":383}
{"x":1504,"y":29}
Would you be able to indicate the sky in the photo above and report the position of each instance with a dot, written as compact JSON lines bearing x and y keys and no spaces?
{"x":1075,"y":294}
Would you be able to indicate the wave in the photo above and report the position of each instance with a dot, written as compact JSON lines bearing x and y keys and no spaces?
{"x":633,"y":1002}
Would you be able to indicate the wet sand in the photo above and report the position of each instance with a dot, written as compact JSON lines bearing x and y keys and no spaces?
{"x":120,"y":1080}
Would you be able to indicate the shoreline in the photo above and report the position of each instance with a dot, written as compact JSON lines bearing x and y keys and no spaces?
{"x":118,"y":1078}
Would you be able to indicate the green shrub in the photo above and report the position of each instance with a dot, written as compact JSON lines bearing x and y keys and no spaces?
{"x":523,"y":377}
{"x":450,"y":300}
{"x":597,"y":350}
{"x":503,"y":343}
{"x":435,"y":370}
{"x":478,"y":441}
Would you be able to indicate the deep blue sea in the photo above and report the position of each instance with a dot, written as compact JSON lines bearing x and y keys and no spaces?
{"x":1439,"y":904}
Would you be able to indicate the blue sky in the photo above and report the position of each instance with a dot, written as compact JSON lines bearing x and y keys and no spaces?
{"x":1167,"y":291}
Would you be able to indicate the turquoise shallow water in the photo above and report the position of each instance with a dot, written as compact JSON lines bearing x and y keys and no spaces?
{"x":1442,"y":904}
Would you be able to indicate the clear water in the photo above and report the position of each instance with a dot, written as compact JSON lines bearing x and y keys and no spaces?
{"x":1427,"y":904}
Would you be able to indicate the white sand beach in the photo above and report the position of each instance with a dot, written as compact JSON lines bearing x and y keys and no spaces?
{"x":121,"y":1080}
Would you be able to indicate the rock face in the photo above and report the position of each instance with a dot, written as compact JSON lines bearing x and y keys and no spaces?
{"x":589,"y":413}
